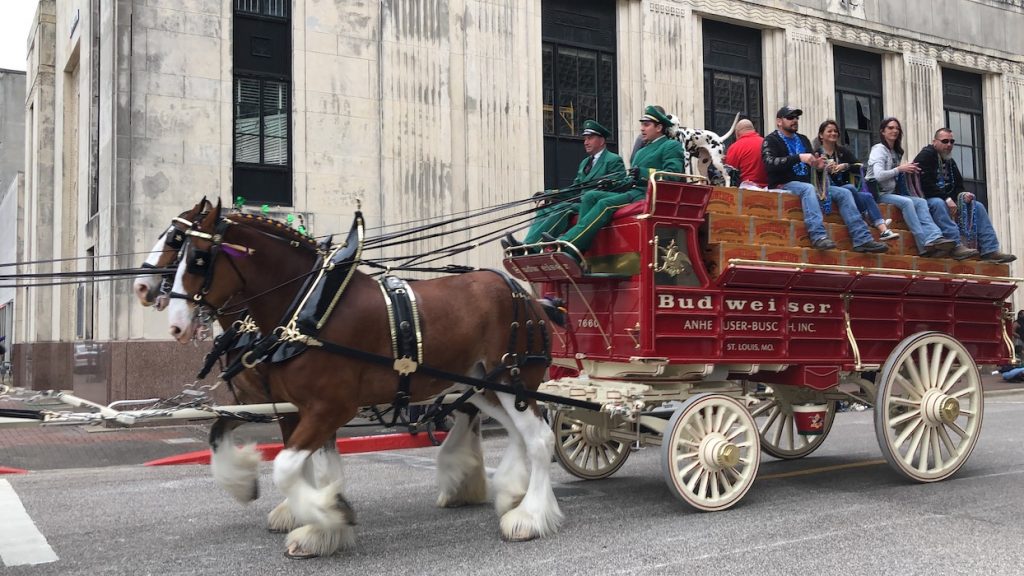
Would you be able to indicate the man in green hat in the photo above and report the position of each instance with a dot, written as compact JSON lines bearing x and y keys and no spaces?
{"x":658,"y":153}
{"x":600,"y":163}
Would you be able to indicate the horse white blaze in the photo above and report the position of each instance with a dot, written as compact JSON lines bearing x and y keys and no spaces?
{"x":146,"y":284}
{"x":180,"y":312}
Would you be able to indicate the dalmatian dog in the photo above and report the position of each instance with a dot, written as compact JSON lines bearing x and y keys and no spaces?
{"x":706,"y":148}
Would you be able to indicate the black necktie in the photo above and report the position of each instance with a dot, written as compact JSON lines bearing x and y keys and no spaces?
{"x":590,"y":164}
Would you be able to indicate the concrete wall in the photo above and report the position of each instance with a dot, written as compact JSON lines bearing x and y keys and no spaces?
{"x":12,"y":126}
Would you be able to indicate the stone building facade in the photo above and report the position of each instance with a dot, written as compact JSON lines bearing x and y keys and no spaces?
{"x":419,"y":108}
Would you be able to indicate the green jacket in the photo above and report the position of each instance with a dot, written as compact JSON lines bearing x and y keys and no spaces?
{"x":608,"y":164}
{"x":664,"y":154}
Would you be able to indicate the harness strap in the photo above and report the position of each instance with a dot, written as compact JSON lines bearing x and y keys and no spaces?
{"x":479,"y":383}
{"x":406,"y":336}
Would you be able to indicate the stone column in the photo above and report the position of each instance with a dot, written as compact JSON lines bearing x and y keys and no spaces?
{"x":670,"y":72}
{"x":1004,"y":139}
{"x":670,"y":67}
{"x":810,"y":79}
{"x":416,"y":103}
{"x":922,"y":87}
{"x":501,"y":92}
{"x":775,"y":87}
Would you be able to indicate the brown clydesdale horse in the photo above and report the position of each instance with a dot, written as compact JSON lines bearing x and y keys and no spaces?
{"x":466,"y":323}
{"x":233,"y":467}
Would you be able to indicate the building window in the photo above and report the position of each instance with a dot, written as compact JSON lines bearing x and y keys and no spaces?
{"x":964,"y":111}
{"x":273,"y":8}
{"x":579,"y":84}
{"x":261,"y":122}
{"x":858,"y":99}
{"x":262,"y":102}
{"x":732,"y":76}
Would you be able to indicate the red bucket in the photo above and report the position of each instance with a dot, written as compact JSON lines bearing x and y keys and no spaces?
{"x":810,"y":418}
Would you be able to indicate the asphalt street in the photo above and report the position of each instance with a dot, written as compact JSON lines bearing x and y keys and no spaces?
{"x":838,"y":511}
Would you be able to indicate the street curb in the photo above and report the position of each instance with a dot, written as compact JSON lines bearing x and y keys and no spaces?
{"x":1004,"y":392}
{"x":6,"y":470}
{"x":354,"y":445}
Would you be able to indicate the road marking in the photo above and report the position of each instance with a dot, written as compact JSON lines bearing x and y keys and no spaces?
{"x":182,"y":441}
{"x":820,"y":470}
{"x":20,"y":541}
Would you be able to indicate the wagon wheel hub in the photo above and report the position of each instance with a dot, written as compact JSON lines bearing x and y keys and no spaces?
{"x":937,"y":408}
{"x":717,"y":453}
{"x":596,"y":435}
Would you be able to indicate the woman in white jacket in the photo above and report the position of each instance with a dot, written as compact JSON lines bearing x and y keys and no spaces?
{"x":884,"y":168}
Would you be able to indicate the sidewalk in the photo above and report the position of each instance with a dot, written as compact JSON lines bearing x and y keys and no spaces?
{"x":33,"y":447}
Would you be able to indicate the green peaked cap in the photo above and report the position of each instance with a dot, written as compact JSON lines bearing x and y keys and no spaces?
{"x":652,"y":114}
{"x":592,"y":127}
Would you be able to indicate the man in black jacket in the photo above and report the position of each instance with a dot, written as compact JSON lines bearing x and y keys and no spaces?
{"x":942,"y":185}
{"x":789,"y":160}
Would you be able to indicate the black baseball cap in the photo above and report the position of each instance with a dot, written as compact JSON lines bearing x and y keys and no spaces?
{"x":788,"y":111}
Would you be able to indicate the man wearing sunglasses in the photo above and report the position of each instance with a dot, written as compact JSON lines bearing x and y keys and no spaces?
{"x":789,"y":161}
{"x":943,"y":186}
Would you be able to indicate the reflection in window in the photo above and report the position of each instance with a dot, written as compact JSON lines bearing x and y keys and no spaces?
{"x":579,"y":85}
{"x":261,"y":121}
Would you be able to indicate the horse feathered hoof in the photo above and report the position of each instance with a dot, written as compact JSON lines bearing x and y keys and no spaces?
{"x":295,"y":553}
{"x":281,"y":520}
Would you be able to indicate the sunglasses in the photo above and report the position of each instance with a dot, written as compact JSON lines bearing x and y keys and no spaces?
{"x":791,"y":117}
{"x":948,"y":141}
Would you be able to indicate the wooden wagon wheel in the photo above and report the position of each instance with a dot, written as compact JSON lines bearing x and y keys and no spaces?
{"x":710,"y":452}
{"x":777,"y":426}
{"x":591,"y":451}
{"x":930,"y":407}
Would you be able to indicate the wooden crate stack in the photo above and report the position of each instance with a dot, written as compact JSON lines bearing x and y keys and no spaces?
{"x":761,"y":225}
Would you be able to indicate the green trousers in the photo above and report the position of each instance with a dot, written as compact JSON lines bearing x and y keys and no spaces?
{"x":596,"y":209}
{"x":553,"y":219}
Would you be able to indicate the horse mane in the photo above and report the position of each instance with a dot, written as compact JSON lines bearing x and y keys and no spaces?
{"x":274,"y":227}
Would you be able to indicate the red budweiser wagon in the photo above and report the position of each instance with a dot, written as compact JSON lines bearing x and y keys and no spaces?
{"x":701,"y":322}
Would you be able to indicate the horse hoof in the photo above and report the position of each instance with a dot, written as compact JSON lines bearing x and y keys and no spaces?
{"x":525,"y":536}
{"x":295,"y":553}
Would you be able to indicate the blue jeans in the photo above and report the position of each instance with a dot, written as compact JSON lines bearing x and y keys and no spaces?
{"x":987,"y":240}
{"x":918,"y":219}
{"x":842,"y":198}
{"x":866,"y":204}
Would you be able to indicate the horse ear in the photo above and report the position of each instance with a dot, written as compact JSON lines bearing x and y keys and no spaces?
{"x":211,"y":218}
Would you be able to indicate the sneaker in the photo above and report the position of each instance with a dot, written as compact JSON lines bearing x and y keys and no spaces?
{"x":823,"y":243}
{"x":887,"y":222}
{"x":888,"y":235}
{"x":962,"y":253}
{"x":871,"y":246}
{"x":998,"y":257}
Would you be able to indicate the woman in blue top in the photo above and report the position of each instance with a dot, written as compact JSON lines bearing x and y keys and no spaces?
{"x":839,"y":160}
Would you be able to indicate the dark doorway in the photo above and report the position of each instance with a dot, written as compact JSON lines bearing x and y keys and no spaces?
{"x":858,"y":99}
{"x":964,"y":111}
{"x":579,"y":81}
{"x":732,"y":76}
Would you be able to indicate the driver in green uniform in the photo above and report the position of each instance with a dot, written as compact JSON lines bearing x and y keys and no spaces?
{"x":658,"y":153}
{"x":600,"y":163}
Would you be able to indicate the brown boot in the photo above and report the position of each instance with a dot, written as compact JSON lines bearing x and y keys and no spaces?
{"x":998,"y":257}
{"x":962,"y":253}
